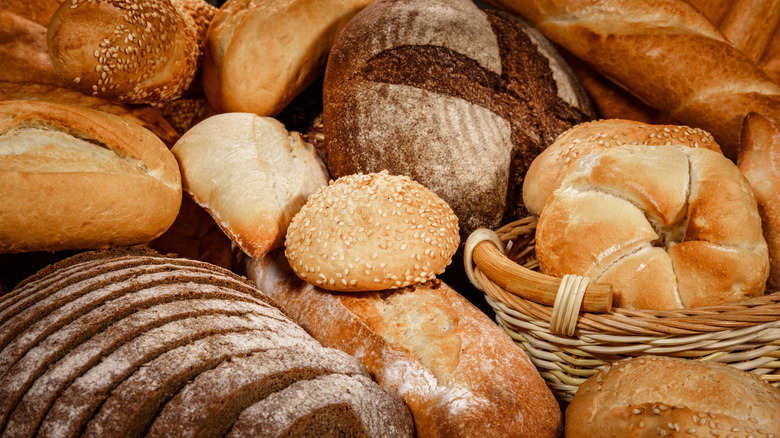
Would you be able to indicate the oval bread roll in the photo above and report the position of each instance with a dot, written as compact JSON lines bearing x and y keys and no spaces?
{"x":250,"y":174}
{"x":668,"y":226}
{"x":77,"y":178}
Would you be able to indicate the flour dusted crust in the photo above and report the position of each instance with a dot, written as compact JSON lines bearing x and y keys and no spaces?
{"x":664,"y":396}
{"x":669,"y":226}
{"x":112,"y":343}
{"x":372,"y":232}
{"x":459,"y":373}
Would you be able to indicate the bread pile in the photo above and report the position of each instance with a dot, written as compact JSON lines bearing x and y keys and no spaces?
{"x":130,"y":343}
{"x":429,"y":119}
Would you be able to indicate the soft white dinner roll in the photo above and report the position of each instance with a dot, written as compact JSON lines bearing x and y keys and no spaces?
{"x":367,"y":232}
{"x":250,"y":174}
{"x":657,"y":396}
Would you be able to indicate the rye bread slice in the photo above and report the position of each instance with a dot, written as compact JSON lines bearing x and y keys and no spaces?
{"x":151,"y":381}
{"x":211,"y":403}
{"x":46,"y":370}
{"x":329,"y":405}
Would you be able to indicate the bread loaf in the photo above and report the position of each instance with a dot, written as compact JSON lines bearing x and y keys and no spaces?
{"x":669,"y":227}
{"x":24,"y":52}
{"x":759,"y":161}
{"x":129,"y":343}
{"x":458,"y":99}
{"x":127,"y":50}
{"x":250,"y":174}
{"x":261,"y":53}
{"x":77,"y":178}
{"x":458,"y":372}
{"x":37,"y":11}
{"x":666,"y":53}
{"x":371,"y":232}
{"x":654,"y":396}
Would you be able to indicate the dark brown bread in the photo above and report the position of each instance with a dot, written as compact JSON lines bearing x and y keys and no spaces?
{"x":100,"y":344}
{"x":458,"y":99}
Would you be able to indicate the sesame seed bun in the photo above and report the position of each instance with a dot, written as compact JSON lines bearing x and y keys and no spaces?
{"x":367,"y":232}
{"x":134,"y":51}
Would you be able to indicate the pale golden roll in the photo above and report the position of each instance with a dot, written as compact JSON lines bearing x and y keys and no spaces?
{"x":368,"y":232}
{"x":669,"y":226}
{"x":76,"y":178}
{"x":135,"y":51}
{"x":657,"y":396}
{"x":549,"y":168}
{"x":260,"y":54}
{"x":250,"y":174}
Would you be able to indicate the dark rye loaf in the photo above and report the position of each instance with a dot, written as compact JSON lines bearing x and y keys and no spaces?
{"x":457,"y":98}
{"x":131,"y":343}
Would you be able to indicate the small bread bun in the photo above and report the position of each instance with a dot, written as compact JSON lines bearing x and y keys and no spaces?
{"x":548,"y":169}
{"x":250,"y":174}
{"x":134,"y":51}
{"x":668,"y":227}
{"x":656,"y":396}
{"x":77,"y":178}
{"x":367,"y":232}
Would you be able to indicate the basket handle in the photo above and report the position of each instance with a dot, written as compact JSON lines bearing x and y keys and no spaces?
{"x":484,"y":248}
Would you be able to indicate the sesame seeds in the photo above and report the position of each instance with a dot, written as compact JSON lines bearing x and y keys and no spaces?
{"x":130,"y":60}
{"x":415,"y":233}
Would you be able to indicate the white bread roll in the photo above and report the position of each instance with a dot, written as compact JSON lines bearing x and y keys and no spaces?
{"x":458,"y":372}
{"x":668,"y":226}
{"x":261,"y":53}
{"x":250,"y":174}
{"x":372,"y":232}
{"x":77,"y":178}
{"x":657,"y":396}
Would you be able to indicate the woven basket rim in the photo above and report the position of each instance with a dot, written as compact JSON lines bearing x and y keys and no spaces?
{"x":620,"y":321}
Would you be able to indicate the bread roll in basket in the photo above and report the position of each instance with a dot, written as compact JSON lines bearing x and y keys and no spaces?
{"x":572,"y":326}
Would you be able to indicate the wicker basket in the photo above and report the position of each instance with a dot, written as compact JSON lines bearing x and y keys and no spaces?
{"x":570,"y":331}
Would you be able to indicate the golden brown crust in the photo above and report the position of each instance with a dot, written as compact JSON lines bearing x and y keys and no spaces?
{"x":97,"y":179}
{"x":617,"y":206}
{"x":666,"y":53}
{"x":128,"y":50}
{"x":458,"y":372}
{"x":24,"y":52}
{"x":759,"y":161}
{"x":663,"y":396}
{"x":372,"y":232}
{"x":266,"y":40}
{"x":38,"y":11}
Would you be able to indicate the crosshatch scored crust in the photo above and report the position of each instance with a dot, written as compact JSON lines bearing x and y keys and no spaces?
{"x":372,"y":232}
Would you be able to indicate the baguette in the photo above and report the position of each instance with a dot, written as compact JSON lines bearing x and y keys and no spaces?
{"x":77,"y":178}
{"x":458,"y":372}
{"x":666,"y":53}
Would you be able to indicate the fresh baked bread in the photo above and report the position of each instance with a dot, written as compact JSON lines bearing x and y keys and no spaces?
{"x":371,"y":232}
{"x":135,"y":51}
{"x":666,"y":53}
{"x":250,"y":174}
{"x":77,"y":178}
{"x":261,"y":53}
{"x":547,"y":171}
{"x":130,"y":343}
{"x":458,"y":99}
{"x":657,"y":396}
{"x":37,"y":11}
{"x":668,"y":227}
{"x":759,"y":161}
{"x":24,"y":52}
{"x":460,"y":374}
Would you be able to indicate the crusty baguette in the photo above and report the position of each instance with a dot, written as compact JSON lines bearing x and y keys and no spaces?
{"x":759,"y":161}
{"x":666,"y":53}
{"x":458,"y":372}
{"x":261,"y":54}
{"x":77,"y":178}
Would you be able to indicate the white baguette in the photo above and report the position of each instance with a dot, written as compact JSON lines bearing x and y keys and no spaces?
{"x":458,"y":372}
